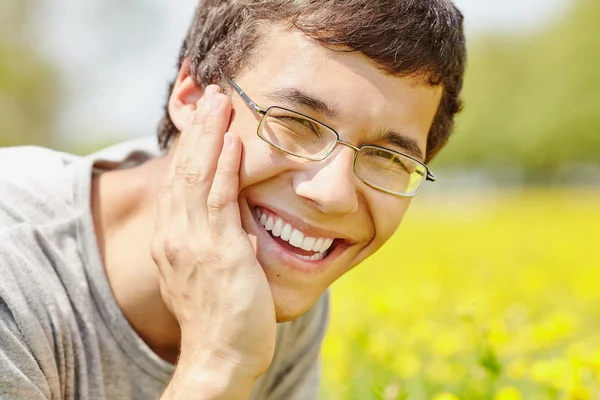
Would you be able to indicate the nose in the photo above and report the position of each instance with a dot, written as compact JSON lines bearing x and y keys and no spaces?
{"x":330,"y":183}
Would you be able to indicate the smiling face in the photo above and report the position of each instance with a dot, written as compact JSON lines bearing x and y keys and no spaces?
{"x":287,"y":203}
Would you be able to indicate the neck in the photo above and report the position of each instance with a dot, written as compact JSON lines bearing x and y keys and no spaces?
{"x":124,"y":211}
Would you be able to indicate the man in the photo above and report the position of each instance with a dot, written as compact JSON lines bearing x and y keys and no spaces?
{"x":295,"y":135}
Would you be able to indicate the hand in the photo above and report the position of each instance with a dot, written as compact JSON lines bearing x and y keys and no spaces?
{"x":210,"y":278}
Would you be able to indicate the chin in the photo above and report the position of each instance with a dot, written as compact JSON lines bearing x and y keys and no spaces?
{"x":298,"y":273}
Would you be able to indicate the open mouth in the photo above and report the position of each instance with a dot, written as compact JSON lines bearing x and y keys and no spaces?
{"x":303,"y":246}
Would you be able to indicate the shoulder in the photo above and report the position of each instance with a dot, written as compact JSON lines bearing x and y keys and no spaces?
{"x":32,"y":323}
{"x":31,"y":163}
{"x":39,"y":185}
{"x":35,"y":184}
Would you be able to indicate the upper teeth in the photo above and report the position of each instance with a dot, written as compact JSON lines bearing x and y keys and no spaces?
{"x":281,"y":229}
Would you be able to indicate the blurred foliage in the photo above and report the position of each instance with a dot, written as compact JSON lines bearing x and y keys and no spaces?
{"x":28,"y":86}
{"x":533,"y":103}
{"x":491,"y":297}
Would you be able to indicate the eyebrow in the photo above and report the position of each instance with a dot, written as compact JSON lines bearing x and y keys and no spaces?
{"x":298,"y":98}
{"x":401,"y":140}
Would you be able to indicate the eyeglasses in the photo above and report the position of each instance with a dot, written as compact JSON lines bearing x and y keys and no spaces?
{"x":302,"y":136}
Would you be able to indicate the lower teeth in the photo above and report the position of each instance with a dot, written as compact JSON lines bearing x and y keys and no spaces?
{"x":315,"y":257}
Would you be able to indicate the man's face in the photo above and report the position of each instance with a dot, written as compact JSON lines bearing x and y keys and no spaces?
{"x":325,"y":199}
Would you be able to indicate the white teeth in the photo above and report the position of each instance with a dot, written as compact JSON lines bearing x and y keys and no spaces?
{"x":286,"y":232}
{"x":277,"y":228}
{"x":318,"y":244}
{"x":315,"y":257}
{"x":280,"y":228}
{"x":269,"y":225}
{"x":308,"y":243}
{"x":326,"y":244}
{"x":296,"y":238}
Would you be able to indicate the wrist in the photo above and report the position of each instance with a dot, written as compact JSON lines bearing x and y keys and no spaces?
{"x":225,"y":360}
{"x":214,"y":377}
{"x":219,"y":385}
{"x":208,"y":383}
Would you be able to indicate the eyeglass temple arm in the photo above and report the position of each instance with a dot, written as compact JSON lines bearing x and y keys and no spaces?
{"x":430,"y":177}
{"x":246,"y":98}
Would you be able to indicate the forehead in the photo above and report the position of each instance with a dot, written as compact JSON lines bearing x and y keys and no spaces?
{"x":365,"y":98}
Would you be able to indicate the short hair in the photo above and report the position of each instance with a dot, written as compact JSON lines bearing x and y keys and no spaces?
{"x":418,"y":38}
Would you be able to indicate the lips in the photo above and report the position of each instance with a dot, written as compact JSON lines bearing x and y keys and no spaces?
{"x":308,"y":248}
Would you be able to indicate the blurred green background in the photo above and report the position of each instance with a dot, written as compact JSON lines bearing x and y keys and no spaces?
{"x":533,"y":103}
{"x":489,"y":288}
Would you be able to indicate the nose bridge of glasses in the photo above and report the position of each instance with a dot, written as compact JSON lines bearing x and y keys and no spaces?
{"x":353,"y":147}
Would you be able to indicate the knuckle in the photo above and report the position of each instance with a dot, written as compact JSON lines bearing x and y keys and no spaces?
{"x":194,"y":178}
{"x":157,"y":250}
{"x":225,"y":168}
{"x":181,"y":166}
{"x":216,"y":201}
{"x":171,"y":249}
{"x":192,"y":174}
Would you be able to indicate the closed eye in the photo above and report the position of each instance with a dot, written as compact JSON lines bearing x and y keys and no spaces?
{"x":296,"y":123}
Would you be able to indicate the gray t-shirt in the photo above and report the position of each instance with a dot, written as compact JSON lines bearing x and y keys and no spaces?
{"x":62,"y":334}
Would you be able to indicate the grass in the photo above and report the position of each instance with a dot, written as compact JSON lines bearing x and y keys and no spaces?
{"x":478,"y":296}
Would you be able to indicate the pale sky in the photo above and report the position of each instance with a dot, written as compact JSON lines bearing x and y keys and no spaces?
{"x":118,"y":70}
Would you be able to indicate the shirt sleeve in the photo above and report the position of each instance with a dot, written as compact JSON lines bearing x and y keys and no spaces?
{"x":20,"y":375}
{"x":28,"y":368}
{"x":297,"y":361}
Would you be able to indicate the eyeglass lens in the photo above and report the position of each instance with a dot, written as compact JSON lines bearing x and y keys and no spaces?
{"x":306,"y":138}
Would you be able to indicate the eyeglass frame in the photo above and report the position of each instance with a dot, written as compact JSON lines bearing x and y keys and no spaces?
{"x":263,"y":112}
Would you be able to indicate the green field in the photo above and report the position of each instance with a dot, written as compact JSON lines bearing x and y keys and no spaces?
{"x":478,"y":296}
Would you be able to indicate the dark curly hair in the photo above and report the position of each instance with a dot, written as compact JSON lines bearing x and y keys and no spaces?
{"x":422,"y":38}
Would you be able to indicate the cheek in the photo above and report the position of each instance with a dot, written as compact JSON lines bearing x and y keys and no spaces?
{"x":387,"y":215}
{"x":259,"y":162}
{"x":254,"y":166}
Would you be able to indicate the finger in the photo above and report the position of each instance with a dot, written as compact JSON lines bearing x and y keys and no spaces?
{"x":204,"y":156}
{"x":186,"y":136}
{"x":165,"y":195}
{"x":184,"y":163}
{"x":164,"y":201}
{"x":177,"y":161}
{"x":189,"y":173}
{"x":163,"y":209}
{"x":200,"y":118}
{"x":222,"y":202}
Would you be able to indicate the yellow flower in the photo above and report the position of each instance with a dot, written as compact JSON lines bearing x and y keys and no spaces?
{"x":557,"y":373}
{"x":407,"y":365}
{"x":508,"y":393}
{"x":580,"y":393}
{"x":518,"y":369}
{"x":446,"y":344}
{"x":445,"y":396}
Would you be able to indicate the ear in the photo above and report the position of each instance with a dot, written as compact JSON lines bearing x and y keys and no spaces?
{"x":184,"y":97}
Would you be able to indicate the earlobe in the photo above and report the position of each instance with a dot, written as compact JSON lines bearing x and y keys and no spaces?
{"x":184,"y":97}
